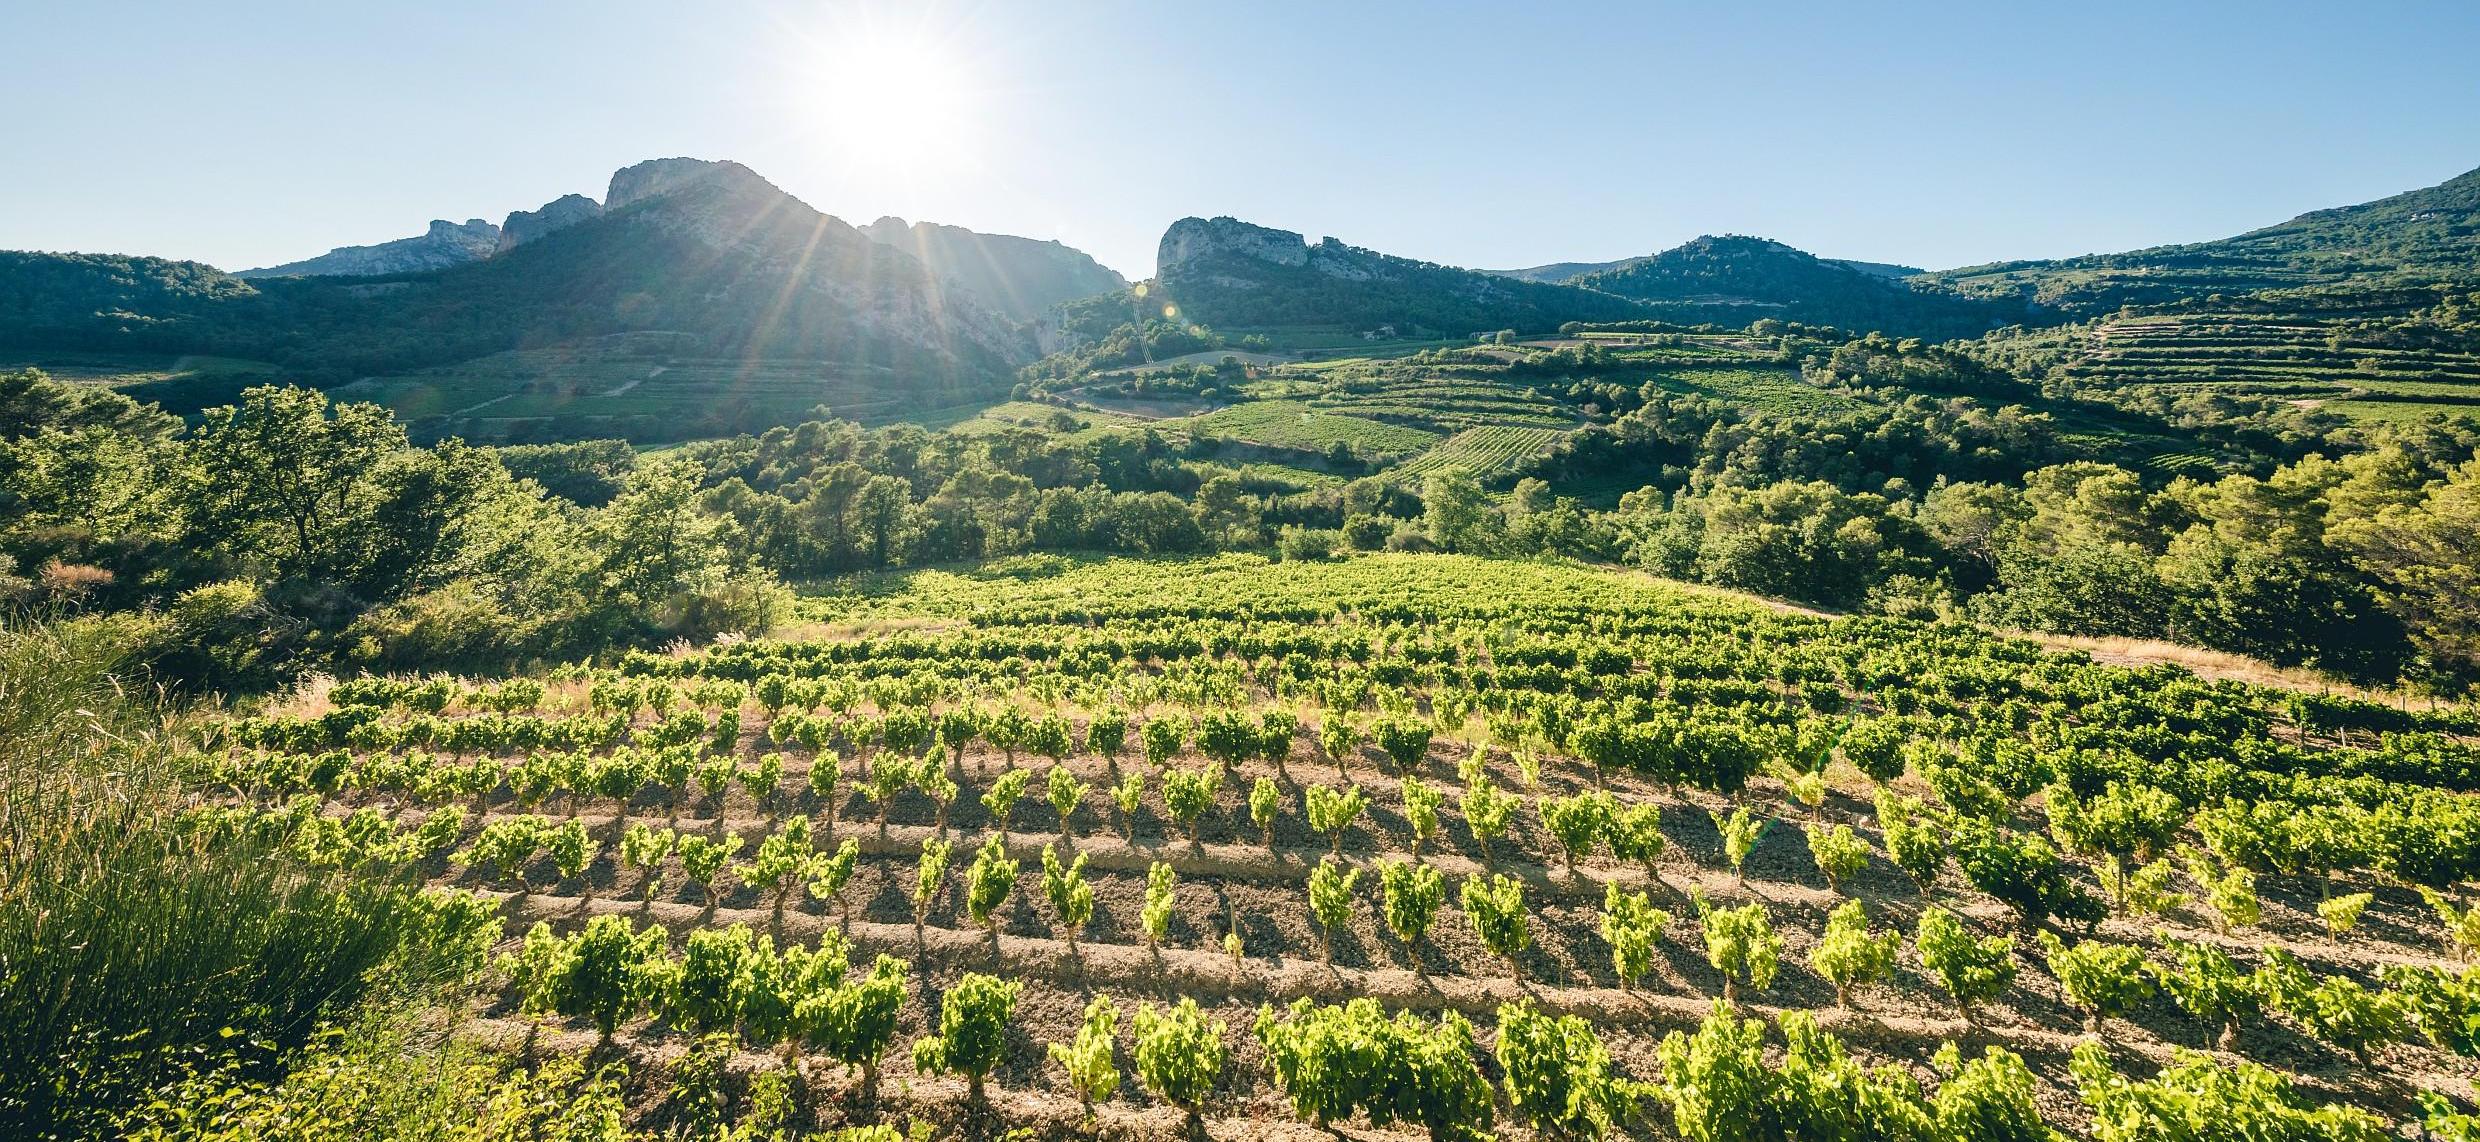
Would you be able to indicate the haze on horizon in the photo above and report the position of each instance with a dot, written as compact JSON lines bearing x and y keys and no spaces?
{"x":1934,"y":135}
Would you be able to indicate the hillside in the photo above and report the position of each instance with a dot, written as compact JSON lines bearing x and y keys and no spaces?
{"x":1232,"y":275}
{"x":1733,"y":280}
{"x":2419,"y":237}
{"x":1020,"y":278}
{"x":1555,"y":802}
{"x":1570,"y":271}
{"x":445,"y":244}
{"x":709,"y":251}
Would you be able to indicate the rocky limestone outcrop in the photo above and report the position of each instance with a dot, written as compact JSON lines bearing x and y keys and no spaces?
{"x":657,"y":177}
{"x":443,"y":245}
{"x":1203,"y":239}
{"x":558,"y":214}
{"x":1022,"y":278}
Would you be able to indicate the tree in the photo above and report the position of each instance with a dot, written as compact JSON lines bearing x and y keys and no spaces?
{"x":1741,"y":944}
{"x":1496,"y":908}
{"x":1179,"y":1057}
{"x":1331,"y":812}
{"x":1973,"y":970}
{"x":972,"y":1038}
{"x":1456,"y":512}
{"x":2426,"y":556}
{"x":1412,"y":893}
{"x":2341,"y":913}
{"x":854,"y":1021}
{"x":1070,"y":895}
{"x":1558,"y":1074}
{"x":2104,"y":979}
{"x":1089,"y":1059}
{"x":1847,"y":956}
{"x":1631,"y":925}
{"x":1839,"y":853}
{"x":1330,"y":900}
{"x":287,"y":479}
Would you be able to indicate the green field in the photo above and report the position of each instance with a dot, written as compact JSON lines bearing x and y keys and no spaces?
{"x":1774,"y":391}
{"x":1571,"y":805}
{"x":1293,"y":424}
{"x":1478,"y":452}
{"x":615,"y":388}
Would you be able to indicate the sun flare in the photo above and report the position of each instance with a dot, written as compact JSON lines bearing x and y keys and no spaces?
{"x":895,"y":96}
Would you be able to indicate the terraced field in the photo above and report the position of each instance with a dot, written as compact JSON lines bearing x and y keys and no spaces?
{"x":1518,"y":804}
{"x":1772,"y":390}
{"x":1298,"y":425}
{"x":612,"y":389}
{"x":1478,"y":452}
{"x":2303,"y":359}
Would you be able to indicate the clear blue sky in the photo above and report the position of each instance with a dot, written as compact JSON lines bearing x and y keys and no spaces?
{"x":243,"y":133}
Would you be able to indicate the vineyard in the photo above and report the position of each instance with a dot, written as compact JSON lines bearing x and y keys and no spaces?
{"x":2371,"y":363}
{"x":1420,"y":843}
{"x":1479,"y":452}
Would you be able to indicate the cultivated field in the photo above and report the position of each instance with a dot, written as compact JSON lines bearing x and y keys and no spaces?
{"x":1557,"y":815}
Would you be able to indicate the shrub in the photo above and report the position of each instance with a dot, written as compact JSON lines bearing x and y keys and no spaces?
{"x":1179,"y":1056}
{"x":1847,"y":956}
{"x":1972,"y":970}
{"x":972,"y":1038}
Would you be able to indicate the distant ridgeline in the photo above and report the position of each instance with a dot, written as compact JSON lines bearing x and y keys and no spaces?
{"x":705,"y":250}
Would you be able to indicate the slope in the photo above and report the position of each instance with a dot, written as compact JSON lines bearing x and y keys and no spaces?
{"x":1733,"y":280}
{"x":1232,"y":275}
{"x":1019,"y":277}
{"x":2419,"y":237}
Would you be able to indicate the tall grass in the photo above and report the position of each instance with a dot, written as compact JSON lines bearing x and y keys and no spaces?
{"x":130,"y":951}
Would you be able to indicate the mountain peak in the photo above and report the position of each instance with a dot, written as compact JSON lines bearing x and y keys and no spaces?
{"x":657,"y":177}
{"x":1197,"y":239}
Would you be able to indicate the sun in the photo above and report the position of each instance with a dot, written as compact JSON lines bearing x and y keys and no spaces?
{"x":898,"y":96}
